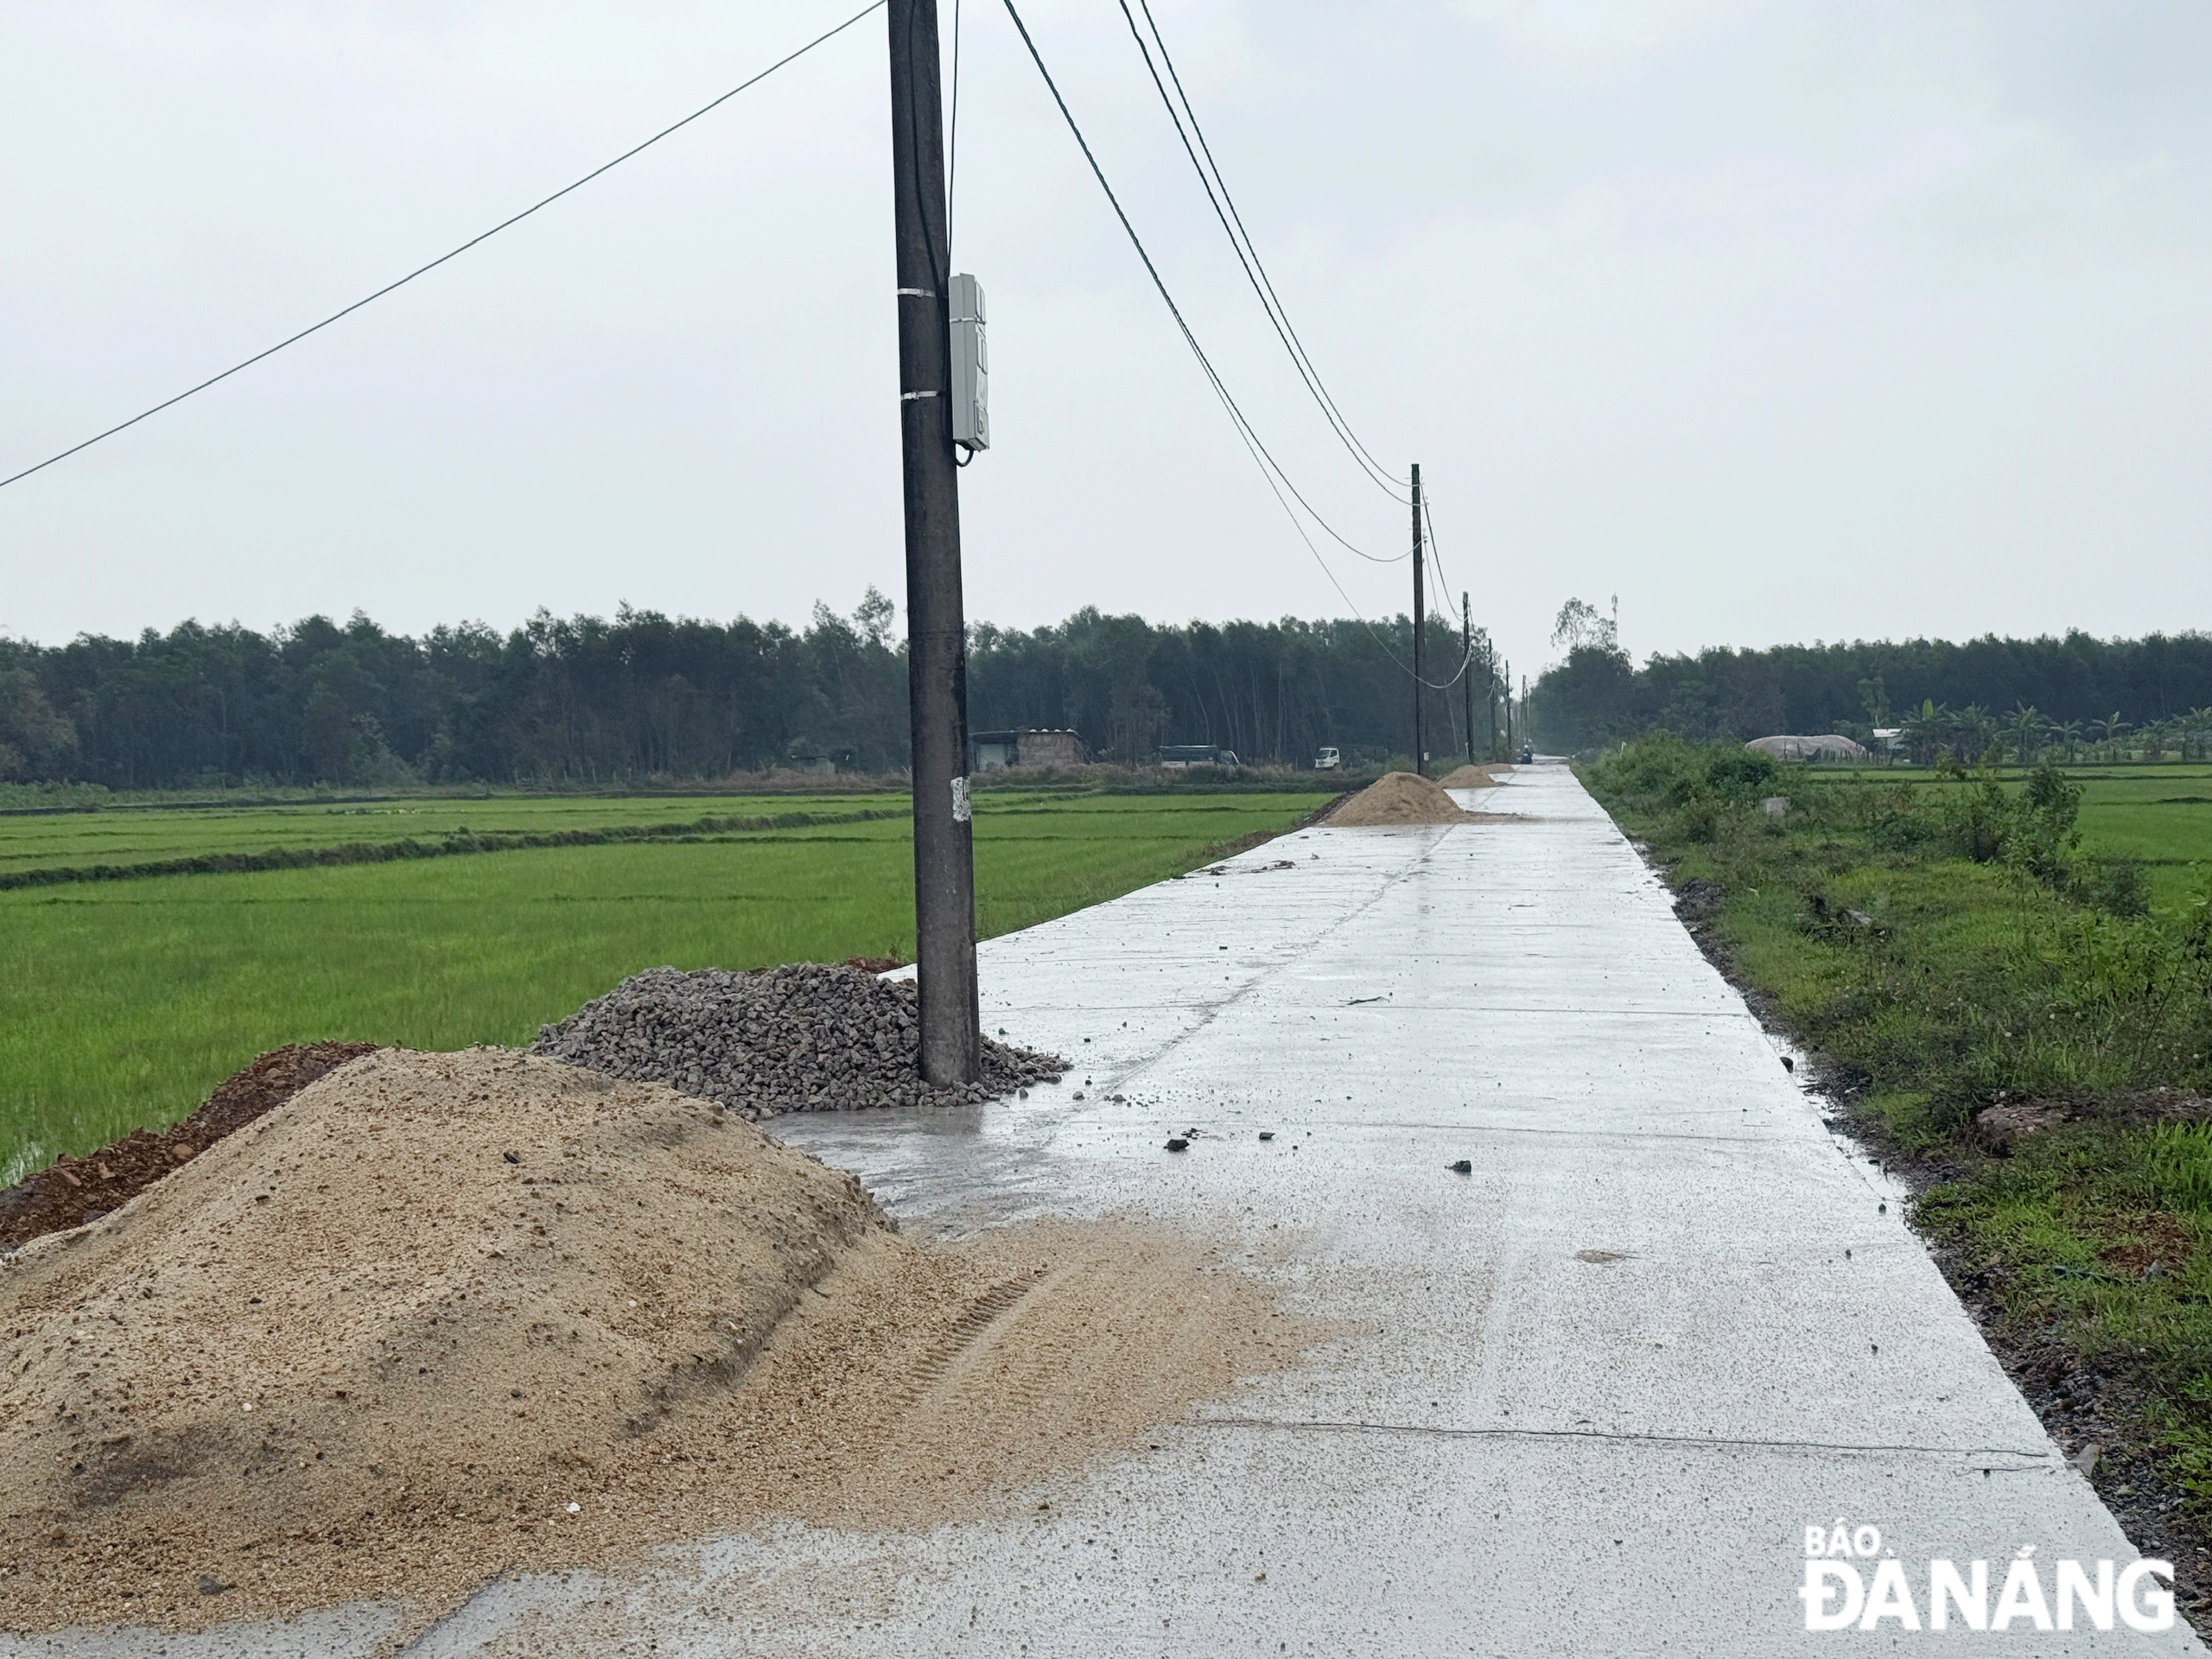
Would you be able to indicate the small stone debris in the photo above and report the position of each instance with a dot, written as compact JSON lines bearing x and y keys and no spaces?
{"x":809,"y":1037}
{"x":1788,"y":1064}
{"x":1267,"y":1135}
{"x":210,"y":1586}
{"x":1176,"y":1143}
{"x":511,"y":1157}
{"x":1463,"y":1167}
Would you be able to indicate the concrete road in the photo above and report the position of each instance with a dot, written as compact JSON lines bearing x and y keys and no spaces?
{"x":1588,"y":1399}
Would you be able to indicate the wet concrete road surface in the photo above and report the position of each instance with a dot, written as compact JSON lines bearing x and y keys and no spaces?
{"x":1585,"y":1399}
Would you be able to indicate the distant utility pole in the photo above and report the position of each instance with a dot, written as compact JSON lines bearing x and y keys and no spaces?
{"x":1421,"y":736}
{"x":1467,"y":670}
{"x":937,"y":648}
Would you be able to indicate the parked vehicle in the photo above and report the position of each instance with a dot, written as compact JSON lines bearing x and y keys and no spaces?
{"x":1178,"y":756}
{"x":1327,"y":760}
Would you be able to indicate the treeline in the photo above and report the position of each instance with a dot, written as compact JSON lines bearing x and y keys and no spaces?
{"x":1982,"y":688}
{"x":589,"y":700}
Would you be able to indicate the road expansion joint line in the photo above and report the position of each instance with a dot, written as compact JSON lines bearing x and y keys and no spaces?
{"x":1599,"y":1135}
{"x":1214,"y":1010}
{"x":2028,"y":1460}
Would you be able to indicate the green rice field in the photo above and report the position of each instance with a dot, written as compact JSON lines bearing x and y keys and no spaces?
{"x":123,"y":1002}
{"x":2158,"y":817}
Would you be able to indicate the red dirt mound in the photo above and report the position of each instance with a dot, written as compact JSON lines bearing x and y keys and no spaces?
{"x":73,"y":1191}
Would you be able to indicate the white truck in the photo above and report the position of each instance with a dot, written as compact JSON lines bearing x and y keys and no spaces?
{"x":1327,"y":760}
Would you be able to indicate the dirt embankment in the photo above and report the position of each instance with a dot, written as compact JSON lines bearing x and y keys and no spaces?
{"x":443,"y":1314}
{"x":73,"y":1191}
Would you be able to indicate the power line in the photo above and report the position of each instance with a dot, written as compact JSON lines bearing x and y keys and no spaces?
{"x":1436,"y":554}
{"x":423,"y":270}
{"x":1247,"y":253}
{"x":1268,"y":465}
{"x":1268,"y":470}
{"x":952,"y":141}
{"x":1444,"y":587}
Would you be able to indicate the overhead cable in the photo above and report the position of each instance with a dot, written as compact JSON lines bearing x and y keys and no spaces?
{"x":1248,"y":255}
{"x":1261,"y":454}
{"x":419,"y":271}
{"x":952,"y":141}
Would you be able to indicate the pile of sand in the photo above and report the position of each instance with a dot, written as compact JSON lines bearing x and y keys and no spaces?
{"x":1470,"y":778}
{"x":1396,"y":798}
{"x":441,"y":1314}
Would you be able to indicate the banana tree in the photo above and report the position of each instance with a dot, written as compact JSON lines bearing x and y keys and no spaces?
{"x":1924,"y":733}
{"x":2026,"y":727}
{"x":2109,"y":732}
{"x":1977,"y":733}
{"x":2197,"y":733}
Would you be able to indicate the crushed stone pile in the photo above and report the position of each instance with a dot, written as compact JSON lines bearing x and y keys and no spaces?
{"x":809,"y":1037}
{"x":444,"y":1315}
{"x":1396,"y":798}
{"x":1469,"y":778}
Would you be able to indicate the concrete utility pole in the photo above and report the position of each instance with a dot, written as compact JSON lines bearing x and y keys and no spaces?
{"x":1490,"y":693}
{"x":937,"y":646}
{"x":1467,"y":670}
{"x":1420,"y":736}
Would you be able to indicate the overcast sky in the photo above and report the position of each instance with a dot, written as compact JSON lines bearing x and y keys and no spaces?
{"x":1778,"y":319}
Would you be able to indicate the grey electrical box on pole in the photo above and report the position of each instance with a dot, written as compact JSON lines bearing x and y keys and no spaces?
{"x":937,"y":650}
{"x":971,"y":367}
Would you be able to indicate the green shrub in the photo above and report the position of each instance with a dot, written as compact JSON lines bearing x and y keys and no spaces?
{"x":2115,"y":886}
{"x":1741,"y":775}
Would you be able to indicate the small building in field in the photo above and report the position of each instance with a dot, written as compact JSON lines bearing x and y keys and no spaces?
{"x":1026,"y":747}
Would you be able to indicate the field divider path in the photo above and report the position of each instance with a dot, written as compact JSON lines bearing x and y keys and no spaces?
{"x":459,"y":843}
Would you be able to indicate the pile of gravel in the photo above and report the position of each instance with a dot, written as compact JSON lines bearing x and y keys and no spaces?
{"x":806,"y":1038}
